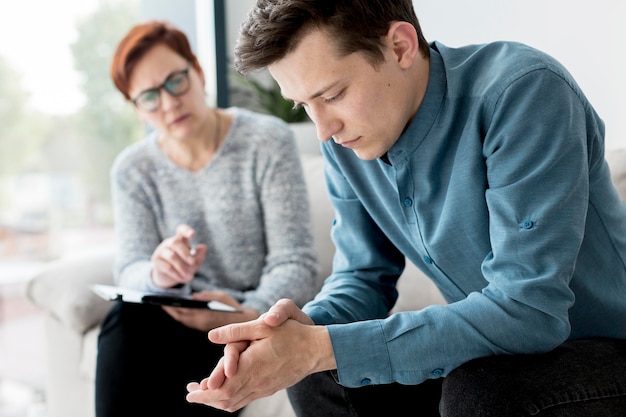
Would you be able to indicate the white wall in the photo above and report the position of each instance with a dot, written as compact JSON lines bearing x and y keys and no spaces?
{"x":196,"y":19}
{"x":589,"y":38}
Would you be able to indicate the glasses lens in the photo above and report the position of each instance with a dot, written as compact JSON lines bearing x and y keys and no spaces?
{"x":148,"y":100}
{"x":178,"y":83}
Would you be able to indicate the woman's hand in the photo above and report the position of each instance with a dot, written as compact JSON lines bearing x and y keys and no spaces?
{"x":174,"y":261}
{"x":205,"y":320}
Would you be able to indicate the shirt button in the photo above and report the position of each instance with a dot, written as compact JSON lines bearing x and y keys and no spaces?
{"x":366,"y":381}
{"x":527,"y":224}
{"x":438,"y":372}
{"x":408,"y":202}
{"x":428,"y":260}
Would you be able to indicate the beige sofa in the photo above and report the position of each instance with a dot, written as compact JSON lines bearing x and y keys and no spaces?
{"x":74,"y":313}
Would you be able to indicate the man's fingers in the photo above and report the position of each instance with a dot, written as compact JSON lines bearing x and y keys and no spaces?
{"x":198,"y":396}
{"x":193,"y":386}
{"x":284,"y":310}
{"x":260,"y":328}
{"x":232,"y":352}
{"x":228,"y":396}
{"x":239,"y":332}
{"x":234,"y":406}
{"x":217,"y":377}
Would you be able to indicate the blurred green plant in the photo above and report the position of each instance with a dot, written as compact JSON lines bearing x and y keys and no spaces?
{"x":270,"y":99}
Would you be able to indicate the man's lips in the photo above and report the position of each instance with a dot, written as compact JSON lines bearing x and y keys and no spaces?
{"x":349,"y":143}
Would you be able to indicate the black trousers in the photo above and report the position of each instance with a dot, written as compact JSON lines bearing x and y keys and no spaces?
{"x":583,"y":378}
{"x":145,"y":360}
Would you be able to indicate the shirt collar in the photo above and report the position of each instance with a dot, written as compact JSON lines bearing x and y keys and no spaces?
{"x":426,"y":115}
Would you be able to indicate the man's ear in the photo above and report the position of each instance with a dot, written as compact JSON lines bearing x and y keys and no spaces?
{"x":402,"y":40}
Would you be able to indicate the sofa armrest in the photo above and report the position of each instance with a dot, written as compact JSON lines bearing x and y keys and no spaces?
{"x":616,"y":159}
{"x":63,"y":289}
{"x":322,"y":212}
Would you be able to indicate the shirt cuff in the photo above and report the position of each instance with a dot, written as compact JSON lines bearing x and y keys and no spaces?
{"x":361,"y":353}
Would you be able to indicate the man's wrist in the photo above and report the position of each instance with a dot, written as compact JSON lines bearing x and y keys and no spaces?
{"x":324,"y":350}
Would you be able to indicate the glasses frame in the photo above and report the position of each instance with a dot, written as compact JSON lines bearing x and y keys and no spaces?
{"x":164,"y":86}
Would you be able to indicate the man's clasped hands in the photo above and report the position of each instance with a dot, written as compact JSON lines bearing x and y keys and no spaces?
{"x":263,"y":356}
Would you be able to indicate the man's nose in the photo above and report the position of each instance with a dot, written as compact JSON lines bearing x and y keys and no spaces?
{"x":326,"y":123}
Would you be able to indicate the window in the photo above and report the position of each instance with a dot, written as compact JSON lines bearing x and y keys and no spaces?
{"x":61,"y":124}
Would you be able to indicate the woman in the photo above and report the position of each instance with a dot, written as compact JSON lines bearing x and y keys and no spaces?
{"x":212,"y":202}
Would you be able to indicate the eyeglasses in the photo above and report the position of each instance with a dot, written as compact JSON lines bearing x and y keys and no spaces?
{"x":176,"y":84}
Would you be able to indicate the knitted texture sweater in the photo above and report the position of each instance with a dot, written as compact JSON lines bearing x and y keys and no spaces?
{"x":249,"y":205}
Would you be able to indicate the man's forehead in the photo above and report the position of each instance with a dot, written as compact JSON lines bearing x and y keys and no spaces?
{"x":312,"y":68}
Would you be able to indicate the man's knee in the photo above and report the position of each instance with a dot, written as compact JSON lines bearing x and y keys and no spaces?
{"x":580,"y":373}
{"x":480,"y":387}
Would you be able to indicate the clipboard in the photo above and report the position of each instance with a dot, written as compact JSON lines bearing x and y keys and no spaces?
{"x":116,"y":293}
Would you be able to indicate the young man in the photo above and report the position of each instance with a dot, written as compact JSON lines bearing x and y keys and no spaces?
{"x":484,"y":165}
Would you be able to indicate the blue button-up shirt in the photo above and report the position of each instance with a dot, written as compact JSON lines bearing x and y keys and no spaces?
{"x":499,"y":191}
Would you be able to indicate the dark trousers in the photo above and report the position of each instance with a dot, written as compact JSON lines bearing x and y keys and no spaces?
{"x":146,"y":359}
{"x":584,"y":378}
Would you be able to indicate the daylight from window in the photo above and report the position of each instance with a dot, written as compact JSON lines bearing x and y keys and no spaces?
{"x":62,"y":122}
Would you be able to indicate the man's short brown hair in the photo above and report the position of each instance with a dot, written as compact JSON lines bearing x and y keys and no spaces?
{"x":273,"y":28}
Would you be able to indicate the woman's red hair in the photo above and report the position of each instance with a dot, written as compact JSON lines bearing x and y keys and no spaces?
{"x":138,"y":41}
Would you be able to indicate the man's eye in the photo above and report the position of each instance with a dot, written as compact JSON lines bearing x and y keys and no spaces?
{"x":334,"y":98}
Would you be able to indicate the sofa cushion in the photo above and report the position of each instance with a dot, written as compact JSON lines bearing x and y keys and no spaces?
{"x":322,"y":213}
{"x":89,"y":353}
{"x":63,"y":288}
{"x":617,"y":163}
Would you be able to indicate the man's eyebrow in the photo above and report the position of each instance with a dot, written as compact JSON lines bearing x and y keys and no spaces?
{"x":323,"y":90}
{"x":317,"y":94}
